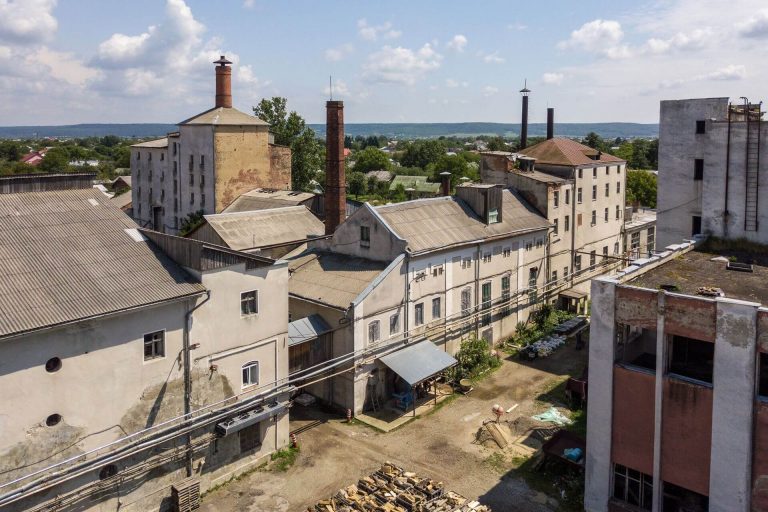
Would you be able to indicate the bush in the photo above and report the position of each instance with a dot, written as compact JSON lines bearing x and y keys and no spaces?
{"x":474,"y":357}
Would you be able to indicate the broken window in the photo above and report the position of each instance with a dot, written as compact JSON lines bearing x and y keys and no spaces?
{"x":373,"y":331}
{"x":365,"y":236}
{"x":249,"y":303}
{"x":154,"y":345}
{"x":692,"y":358}
{"x":636,"y":346}
{"x":632,"y":487}
{"x":763,"y":375}
{"x":701,"y":127}
{"x":698,"y":169}
{"x":394,"y":324}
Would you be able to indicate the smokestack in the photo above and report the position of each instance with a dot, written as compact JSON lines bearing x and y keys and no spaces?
{"x":524,"y":121}
{"x":445,"y":180}
{"x":223,"y":83}
{"x":335,"y":203}
{"x":550,"y":123}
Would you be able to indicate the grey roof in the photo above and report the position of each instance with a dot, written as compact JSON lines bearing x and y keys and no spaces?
{"x":330,"y":278}
{"x":263,"y":199}
{"x":123,"y":200}
{"x":440,"y":222}
{"x":70,"y":255}
{"x":156,"y":143}
{"x":380,"y":175}
{"x":307,"y":329}
{"x":246,"y":230}
{"x":125,"y":179}
{"x":541,"y":176}
{"x":418,"y":362}
{"x":225,"y":116}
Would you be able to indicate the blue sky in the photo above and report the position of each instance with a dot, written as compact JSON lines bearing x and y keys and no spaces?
{"x":416,"y":61}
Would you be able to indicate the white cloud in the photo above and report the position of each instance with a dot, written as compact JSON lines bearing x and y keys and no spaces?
{"x":490,"y":90}
{"x":401,"y":65}
{"x":517,"y":26}
{"x":756,"y":26}
{"x":452,"y":84}
{"x":491,"y":58}
{"x":338,"y":53}
{"x":458,"y":43}
{"x":730,"y":72}
{"x":65,"y":66}
{"x":373,"y":32}
{"x":340,"y":89}
{"x":598,"y":36}
{"x":27,"y":20}
{"x":695,"y":40}
{"x":552,"y":78}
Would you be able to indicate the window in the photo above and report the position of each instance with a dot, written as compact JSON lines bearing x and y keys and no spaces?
{"x":529,"y":245}
{"x":692,"y":358}
{"x":486,"y":257}
{"x":175,"y":168}
{"x":607,"y":189}
{"x":618,"y":212}
{"x":505,"y":310}
{"x":191,"y":162}
{"x":607,"y":170}
{"x":581,"y":173}
{"x":192,"y":198}
{"x":154,"y":345}
{"x":539,"y":242}
{"x":486,"y":291}
{"x":605,"y":215}
{"x":138,"y":155}
{"x":594,"y":217}
{"x":578,"y":195}
{"x":394,"y":324}
{"x":592,"y":259}
{"x":567,"y":223}
{"x":373,"y":331}
{"x":568,"y":196}
{"x":556,"y":199}
{"x":533,"y":273}
{"x":493,"y":216}
{"x":594,"y":192}
{"x":578,"y":219}
{"x":191,"y":179}
{"x":696,"y":225}
{"x":605,"y":255}
{"x":577,"y":263}
{"x":249,"y":303}
{"x":594,"y":172}
{"x":436,"y":311}
{"x":202,"y":162}
{"x":466,"y":263}
{"x":634,"y":243}
{"x":250,"y":438}
{"x":437,"y":270}
{"x":554,"y":276}
{"x":202,"y":199}
{"x":149,"y":156}
{"x":162,"y":157}
{"x":565,"y":272}
{"x":419,"y":313}
{"x":701,"y":127}
{"x":466,"y":301}
{"x":763,"y":375}
{"x":555,"y":228}
{"x":175,"y":148}
{"x":632,"y":487}
{"x":250,"y":373}
{"x":618,"y":187}
{"x":506,"y":252}
{"x":651,"y":239}
{"x":616,"y":248}
{"x":365,"y":236}
{"x":698,"y":169}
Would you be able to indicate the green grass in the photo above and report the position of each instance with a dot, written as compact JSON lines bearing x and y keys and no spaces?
{"x":498,"y":462}
{"x":283,"y":459}
{"x":552,"y":480}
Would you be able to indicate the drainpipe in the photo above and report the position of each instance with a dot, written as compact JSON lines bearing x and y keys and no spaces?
{"x":573,"y":225}
{"x":188,"y":379}
{"x":727,"y":215}
{"x":477,"y":292}
{"x":407,"y":298}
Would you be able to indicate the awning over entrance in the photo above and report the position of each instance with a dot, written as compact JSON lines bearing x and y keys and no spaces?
{"x":572,"y":294}
{"x":418,"y":362}
{"x":307,"y":329}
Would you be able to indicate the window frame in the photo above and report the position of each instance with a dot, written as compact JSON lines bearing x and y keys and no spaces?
{"x":248,"y":367}
{"x":594,"y":192}
{"x":374,"y":331}
{"x":644,"y":485}
{"x":243,"y":312}
{"x":154,"y":355}
{"x":698,"y":169}
{"x":701,"y":126}
{"x":418,"y":314}
{"x":437,"y":302}
{"x":466,"y":309}
{"x":555,"y":199}
{"x":394,"y":328}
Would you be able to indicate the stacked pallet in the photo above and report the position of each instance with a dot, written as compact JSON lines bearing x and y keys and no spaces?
{"x":392,"y":489}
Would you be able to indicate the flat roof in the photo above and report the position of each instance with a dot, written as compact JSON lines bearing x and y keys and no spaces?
{"x":705,"y":267}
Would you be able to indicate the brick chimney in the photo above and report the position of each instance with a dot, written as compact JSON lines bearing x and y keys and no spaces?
{"x":335,"y":182}
{"x":223,"y":83}
{"x":445,"y":182}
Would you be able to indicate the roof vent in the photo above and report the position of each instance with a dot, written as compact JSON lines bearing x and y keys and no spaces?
{"x":739,"y":267}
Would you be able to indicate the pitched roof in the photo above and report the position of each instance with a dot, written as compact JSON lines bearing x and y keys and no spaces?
{"x":127,"y":179}
{"x":436,"y":223}
{"x":156,"y":143}
{"x":246,"y":230}
{"x":70,"y":255}
{"x":330,"y":278}
{"x":123,"y":200}
{"x":562,"y":151}
{"x":225,"y":116}
{"x":543,"y":177}
{"x":264,"y":198}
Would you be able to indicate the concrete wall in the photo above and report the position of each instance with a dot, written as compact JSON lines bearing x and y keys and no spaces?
{"x":384,"y":245}
{"x":149,"y":171}
{"x":196,"y":142}
{"x":633,"y":419}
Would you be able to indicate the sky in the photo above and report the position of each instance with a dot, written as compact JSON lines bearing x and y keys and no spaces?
{"x":146,"y":61}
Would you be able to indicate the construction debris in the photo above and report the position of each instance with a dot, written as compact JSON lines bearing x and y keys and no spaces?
{"x":392,"y":489}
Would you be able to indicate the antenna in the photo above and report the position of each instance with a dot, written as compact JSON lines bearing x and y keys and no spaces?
{"x":330,"y":86}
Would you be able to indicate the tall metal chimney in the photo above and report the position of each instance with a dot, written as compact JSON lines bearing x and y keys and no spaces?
{"x":335,"y":204}
{"x":445,"y":180}
{"x":550,"y":123}
{"x":524,"y":121}
{"x":223,"y":83}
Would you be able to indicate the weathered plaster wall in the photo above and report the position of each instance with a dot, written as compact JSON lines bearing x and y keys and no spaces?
{"x":633,"y":419}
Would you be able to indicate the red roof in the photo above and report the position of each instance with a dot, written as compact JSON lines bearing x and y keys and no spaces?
{"x":567,"y":152}
{"x":347,"y":151}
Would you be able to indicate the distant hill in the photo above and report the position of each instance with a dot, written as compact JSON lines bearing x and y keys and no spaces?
{"x":395,"y":130}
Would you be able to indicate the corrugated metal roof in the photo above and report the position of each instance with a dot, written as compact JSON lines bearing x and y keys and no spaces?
{"x":561,"y":151}
{"x":157,"y":143}
{"x":246,"y":230}
{"x":431,"y":224}
{"x":225,"y":116}
{"x":68,"y":255}
{"x":123,"y":200}
{"x":307,"y":329}
{"x":329,"y":278}
{"x":264,"y":199}
{"x":541,"y":176}
{"x":418,"y":362}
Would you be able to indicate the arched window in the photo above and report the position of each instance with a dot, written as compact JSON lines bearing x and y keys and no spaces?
{"x":250,"y":373}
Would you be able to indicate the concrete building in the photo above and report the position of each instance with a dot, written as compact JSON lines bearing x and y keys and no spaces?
{"x":214,"y":158}
{"x":639,"y":233}
{"x":430,"y":270}
{"x":710,"y":163}
{"x":678,"y":383}
{"x":581,"y":192}
{"x":130,"y":360}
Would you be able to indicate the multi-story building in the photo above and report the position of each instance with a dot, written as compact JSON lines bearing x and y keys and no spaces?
{"x":678,"y":383}
{"x":639,"y":233}
{"x":128,"y":358}
{"x":432,"y":271}
{"x":214,"y":158}
{"x":581,"y":192}
{"x":710,"y":162}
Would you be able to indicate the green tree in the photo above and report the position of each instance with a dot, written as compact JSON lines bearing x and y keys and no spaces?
{"x":291,"y":130}
{"x":55,"y":160}
{"x":421,"y":153}
{"x":372,"y":185}
{"x":356,"y":183}
{"x":593,"y":140}
{"x":497,"y":144}
{"x":371,"y":159}
{"x":398,"y":195}
{"x":641,"y":187}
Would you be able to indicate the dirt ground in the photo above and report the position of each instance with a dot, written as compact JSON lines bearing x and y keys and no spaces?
{"x":438,"y":445}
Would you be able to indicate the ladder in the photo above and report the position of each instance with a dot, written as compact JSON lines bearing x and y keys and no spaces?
{"x":752,"y":168}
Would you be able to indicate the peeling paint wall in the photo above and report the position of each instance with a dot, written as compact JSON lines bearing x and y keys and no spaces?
{"x":633,"y":419}
{"x":694,"y":317}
